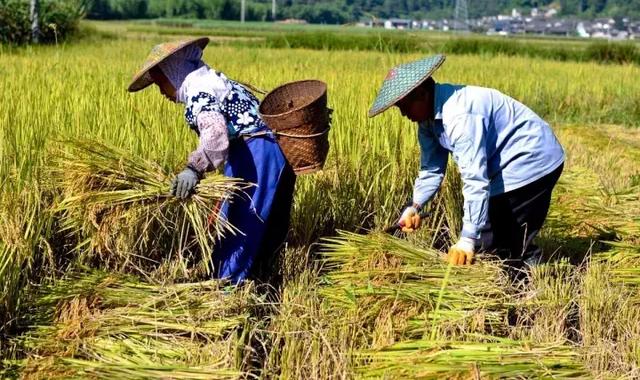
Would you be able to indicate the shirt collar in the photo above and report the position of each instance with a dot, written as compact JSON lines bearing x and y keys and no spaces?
{"x":438,"y":102}
{"x":442,"y":93}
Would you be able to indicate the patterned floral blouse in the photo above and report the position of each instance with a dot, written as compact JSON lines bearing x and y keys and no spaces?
{"x":218,"y":121}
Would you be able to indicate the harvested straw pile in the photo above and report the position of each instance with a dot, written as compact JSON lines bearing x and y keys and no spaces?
{"x":425,"y":319}
{"x":118,"y":208}
{"x":585,"y":206}
{"x":111,"y":326}
{"x":385,"y":308}
{"x":397,"y":290}
{"x":496,"y":358}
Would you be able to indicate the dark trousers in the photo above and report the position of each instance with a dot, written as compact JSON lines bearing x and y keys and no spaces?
{"x":515,"y":218}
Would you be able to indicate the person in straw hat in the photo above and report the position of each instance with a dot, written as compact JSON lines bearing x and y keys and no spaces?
{"x":224,"y":114}
{"x":508,"y":158}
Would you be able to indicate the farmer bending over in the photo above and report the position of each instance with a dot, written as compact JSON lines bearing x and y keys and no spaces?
{"x":508,"y":157}
{"x":224,"y":114}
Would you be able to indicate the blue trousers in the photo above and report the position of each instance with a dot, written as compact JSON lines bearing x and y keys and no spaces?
{"x":262,"y":215}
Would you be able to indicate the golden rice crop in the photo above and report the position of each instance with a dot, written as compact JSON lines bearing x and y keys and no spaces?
{"x":500,"y":358}
{"x":374,"y":297}
{"x":119,"y":209}
{"x":378,"y":275}
{"x":104,"y":325}
{"x":25,"y":227}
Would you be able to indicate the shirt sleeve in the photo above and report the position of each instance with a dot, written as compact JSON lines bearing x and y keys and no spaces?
{"x":433,"y":165}
{"x":469,"y":152}
{"x":214,"y":142}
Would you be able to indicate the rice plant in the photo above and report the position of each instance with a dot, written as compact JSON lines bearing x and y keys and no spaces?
{"x":609,"y":314}
{"x":24,"y":251}
{"x":308,"y":338}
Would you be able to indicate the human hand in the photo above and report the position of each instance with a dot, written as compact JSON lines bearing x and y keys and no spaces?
{"x":462,"y":252}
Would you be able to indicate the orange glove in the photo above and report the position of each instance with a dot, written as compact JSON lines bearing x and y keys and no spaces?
{"x":462,"y":252}
{"x":410,"y":219}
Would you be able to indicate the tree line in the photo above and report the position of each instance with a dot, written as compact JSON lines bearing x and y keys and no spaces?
{"x":344,"y":11}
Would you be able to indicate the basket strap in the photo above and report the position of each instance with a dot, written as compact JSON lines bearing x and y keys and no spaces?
{"x":303,"y":136}
{"x":276,"y":133}
{"x":253,"y":88}
{"x":257,"y":134}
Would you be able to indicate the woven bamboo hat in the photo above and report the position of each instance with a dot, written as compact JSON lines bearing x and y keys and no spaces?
{"x":403,"y":79}
{"x":159,"y":53}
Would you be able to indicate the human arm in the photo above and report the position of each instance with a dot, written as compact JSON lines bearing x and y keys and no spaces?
{"x":433,"y":165}
{"x":213,"y":146}
{"x":469,"y":152}
{"x":211,"y":152}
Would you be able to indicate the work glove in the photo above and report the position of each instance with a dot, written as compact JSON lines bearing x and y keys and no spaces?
{"x":410,"y":219}
{"x":462,"y":252}
{"x":184,"y":183}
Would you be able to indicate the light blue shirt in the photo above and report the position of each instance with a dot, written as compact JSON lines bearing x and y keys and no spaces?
{"x":498,"y":143}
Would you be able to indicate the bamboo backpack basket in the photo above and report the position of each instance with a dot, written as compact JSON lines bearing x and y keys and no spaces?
{"x":297,"y":114}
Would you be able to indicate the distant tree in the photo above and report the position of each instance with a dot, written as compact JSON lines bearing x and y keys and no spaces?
{"x":230,"y":10}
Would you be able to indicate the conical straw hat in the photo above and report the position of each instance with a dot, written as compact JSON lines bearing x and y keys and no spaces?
{"x":403,"y":79}
{"x":158,"y":54}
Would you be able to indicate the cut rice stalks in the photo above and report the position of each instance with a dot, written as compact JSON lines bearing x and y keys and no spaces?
{"x":113,"y":326}
{"x":495,"y":358}
{"x":385,"y":280}
{"x":119,"y":209}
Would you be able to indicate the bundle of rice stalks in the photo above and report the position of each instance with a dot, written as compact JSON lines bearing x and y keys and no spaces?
{"x":623,"y":259}
{"x":493,"y":358}
{"x":585,"y":205}
{"x":619,"y":213}
{"x":24,"y":229}
{"x":411,"y":292}
{"x":119,"y":209}
{"x":111,"y":326}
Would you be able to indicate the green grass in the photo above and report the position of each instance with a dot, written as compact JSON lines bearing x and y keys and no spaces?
{"x":327,"y":37}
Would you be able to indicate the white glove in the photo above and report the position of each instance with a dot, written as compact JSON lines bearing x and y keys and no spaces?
{"x":410,"y":219}
{"x":462,"y":252}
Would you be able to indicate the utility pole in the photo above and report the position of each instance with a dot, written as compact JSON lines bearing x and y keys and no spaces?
{"x":242,"y":8}
{"x":35,"y":29}
{"x":461,"y":17}
{"x":273,"y":9}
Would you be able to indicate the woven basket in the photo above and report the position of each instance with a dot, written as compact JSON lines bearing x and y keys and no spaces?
{"x":297,"y":113}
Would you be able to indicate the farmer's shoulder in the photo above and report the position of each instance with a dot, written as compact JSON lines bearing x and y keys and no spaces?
{"x":465,"y":100}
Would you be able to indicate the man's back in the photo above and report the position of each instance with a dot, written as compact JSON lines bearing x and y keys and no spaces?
{"x":520,"y":147}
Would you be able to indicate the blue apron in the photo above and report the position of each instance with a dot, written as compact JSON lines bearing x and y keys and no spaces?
{"x":259,"y":161}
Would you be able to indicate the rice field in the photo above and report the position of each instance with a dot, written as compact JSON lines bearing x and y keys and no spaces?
{"x":104,"y":276}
